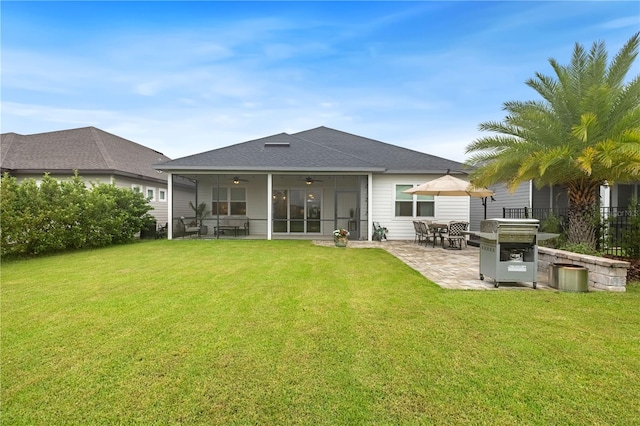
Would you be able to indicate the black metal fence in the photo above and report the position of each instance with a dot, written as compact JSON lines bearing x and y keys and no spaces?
{"x":619,"y":231}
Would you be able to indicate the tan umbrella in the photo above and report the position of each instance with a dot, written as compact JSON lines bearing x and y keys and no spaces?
{"x":448,"y":185}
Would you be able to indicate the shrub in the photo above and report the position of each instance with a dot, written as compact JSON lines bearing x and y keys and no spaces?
{"x":553,"y":225}
{"x":581,"y":248}
{"x":55,"y":216}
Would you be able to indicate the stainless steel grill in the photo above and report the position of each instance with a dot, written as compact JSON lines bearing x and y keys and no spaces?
{"x":509,"y":250}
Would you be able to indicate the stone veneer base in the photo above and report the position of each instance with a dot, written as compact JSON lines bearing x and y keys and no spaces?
{"x":604,"y":274}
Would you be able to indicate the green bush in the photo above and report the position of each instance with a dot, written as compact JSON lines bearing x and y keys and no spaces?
{"x":581,"y":248}
{"x":553,"y":225}
{"x":60,"y":215}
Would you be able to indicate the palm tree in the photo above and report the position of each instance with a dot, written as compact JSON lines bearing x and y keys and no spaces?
{"x":585,"y":132}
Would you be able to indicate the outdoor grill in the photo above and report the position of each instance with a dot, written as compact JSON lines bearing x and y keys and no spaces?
{"x":509,"y":250}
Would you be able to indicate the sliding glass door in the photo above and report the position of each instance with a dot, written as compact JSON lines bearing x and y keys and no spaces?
{"x":297,"y":211}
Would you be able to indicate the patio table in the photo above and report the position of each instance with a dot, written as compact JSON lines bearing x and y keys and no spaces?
{"x":220,"y":229}
{"x":439,"y":228}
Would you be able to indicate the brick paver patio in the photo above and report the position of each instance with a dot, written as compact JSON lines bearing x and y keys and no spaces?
{"x":452,"y":269}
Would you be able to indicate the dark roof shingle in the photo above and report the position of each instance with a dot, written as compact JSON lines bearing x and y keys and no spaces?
{"x":86,"y":149}
{"x":319,"y":149}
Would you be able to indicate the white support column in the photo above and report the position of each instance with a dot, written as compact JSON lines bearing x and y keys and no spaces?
{"x":170,"y":206}
{"x":269,"y":204}
{"x":370,"y":207}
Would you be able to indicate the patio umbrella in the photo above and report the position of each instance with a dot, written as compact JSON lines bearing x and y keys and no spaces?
{"x":448,"y":185}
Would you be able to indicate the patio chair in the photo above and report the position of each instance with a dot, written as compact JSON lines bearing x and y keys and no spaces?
{"x":455,"y":236}
{"x":418,"y":230}
{"x":161,"y":232}
{"x":430,"y":233}
{"x":379,"y":232}
{"x":189,"y":229}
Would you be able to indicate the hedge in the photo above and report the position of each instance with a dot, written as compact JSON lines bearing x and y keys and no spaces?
{"x":62,"y":215}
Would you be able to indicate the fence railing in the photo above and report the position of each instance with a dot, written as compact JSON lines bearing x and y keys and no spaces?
{"x":619,"y":231}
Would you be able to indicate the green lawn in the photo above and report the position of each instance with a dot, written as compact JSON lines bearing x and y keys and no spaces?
{"x":281,"y":332}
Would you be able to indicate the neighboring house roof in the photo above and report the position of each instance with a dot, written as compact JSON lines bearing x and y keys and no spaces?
{"x":319,"y":149}
{"x":88,"y":150}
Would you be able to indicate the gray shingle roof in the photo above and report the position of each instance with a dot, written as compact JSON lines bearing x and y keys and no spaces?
{"x":319,"y":149}
{"x":88,"y":149}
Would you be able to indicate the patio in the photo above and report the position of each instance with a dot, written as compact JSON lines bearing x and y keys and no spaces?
{"x":451,"y":269}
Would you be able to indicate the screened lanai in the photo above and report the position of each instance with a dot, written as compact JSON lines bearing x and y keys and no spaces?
{"x":268,"y":205}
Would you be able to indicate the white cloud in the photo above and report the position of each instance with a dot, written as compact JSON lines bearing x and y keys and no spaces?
{"x":628,"y":21}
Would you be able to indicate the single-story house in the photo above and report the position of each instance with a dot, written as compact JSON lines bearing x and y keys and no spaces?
{"x":98,"y":156}
{"x":307,"y":184}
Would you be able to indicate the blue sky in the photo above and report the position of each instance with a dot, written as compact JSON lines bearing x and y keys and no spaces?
{"x":188,"y":77}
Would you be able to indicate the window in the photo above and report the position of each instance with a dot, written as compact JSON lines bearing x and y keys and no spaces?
{"x":136,"y":188}
{"x":407,"y":204}
{"x":625,"y":195}
{"x":229,"y":201}
{"x":426,"y":206}
{"x":151,"y":194}
{"x":162,"y":195}
{"x":404,"y":202}
{"x":238,"y":203}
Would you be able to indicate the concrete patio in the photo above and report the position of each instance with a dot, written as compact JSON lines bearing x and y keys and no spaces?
{"x":451,"y":269}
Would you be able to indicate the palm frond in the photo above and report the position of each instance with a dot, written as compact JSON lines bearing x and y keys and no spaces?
{"x":588,"y":126}
{"x":622,"y":62}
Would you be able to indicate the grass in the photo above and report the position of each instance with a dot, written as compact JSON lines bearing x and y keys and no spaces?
{"x":284,"y":332}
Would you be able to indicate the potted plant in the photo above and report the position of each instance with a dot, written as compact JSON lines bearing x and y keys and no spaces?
{"x":340,"y":237}
{"x":201,"y":212}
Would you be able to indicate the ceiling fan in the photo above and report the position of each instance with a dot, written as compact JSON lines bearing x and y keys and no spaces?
{"x":309,"y":180}
{"x":237,"y":179}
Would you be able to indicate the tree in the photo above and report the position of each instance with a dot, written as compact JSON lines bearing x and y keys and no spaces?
{"x":585,"y":132}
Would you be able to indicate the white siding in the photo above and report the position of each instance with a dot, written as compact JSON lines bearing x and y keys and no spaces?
{"x":401,"y":228}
